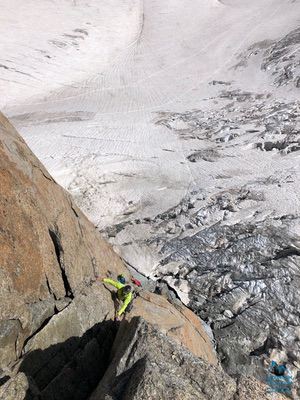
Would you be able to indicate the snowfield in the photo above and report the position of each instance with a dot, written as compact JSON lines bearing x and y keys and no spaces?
{"x":85,"y":81}
{"x":122,"y":99}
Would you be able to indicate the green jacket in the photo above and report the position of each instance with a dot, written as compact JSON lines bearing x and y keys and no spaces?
{"x":126,"y":299}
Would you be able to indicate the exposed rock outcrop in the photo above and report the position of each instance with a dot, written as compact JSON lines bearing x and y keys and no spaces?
{"x":146,"y":364}
{"x":176,"y":321}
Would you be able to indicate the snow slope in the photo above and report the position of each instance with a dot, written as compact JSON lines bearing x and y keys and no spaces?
{"x":86,"y":83}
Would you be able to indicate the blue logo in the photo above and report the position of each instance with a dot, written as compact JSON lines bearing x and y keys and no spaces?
{"x":279,"y":379}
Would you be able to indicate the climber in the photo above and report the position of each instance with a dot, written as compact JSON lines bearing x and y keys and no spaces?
{"x":124,"y":295}
{"x":121,"y":279}
{"x":278,"y":369}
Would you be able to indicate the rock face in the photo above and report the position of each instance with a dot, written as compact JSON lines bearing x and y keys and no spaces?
{"x":56,"y":319}
{"x":175,"y":321}
{"x":49,"y":250}
{"x":146,"y":364}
